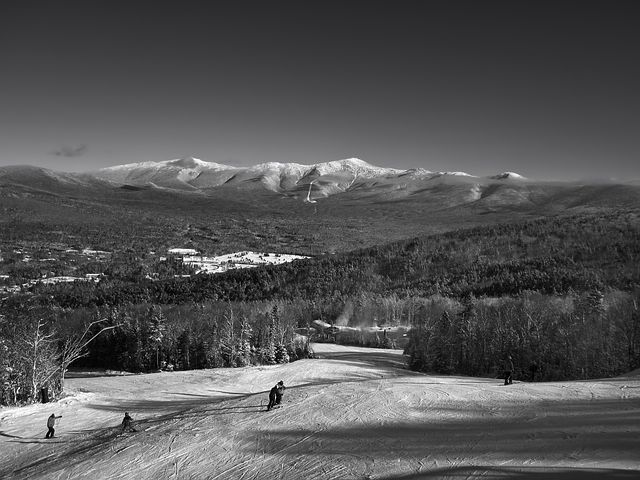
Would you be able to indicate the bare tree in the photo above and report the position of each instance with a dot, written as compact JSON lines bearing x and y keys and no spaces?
{"x":39,"y":355}
{"x":74,"y":348}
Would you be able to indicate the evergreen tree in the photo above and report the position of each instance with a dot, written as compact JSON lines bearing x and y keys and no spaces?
{"x":156,"y":331}
{"x":244,"y":345}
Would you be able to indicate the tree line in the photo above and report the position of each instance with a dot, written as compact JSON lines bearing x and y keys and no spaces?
{"x":38,"y":343}
{"x":574,"y":336}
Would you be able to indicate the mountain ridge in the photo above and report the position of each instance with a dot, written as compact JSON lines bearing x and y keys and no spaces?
{"x":348,"y":181}
{"x":292,"y":179}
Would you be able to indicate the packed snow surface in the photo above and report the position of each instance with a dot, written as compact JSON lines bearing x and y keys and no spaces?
{"x":351,"y":414}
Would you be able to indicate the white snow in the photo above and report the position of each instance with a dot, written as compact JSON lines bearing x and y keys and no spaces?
{"x":280,"y":168}
{"x":455,"y":174}
{"x":257,"y":258}
{"x":245,"y":259}
{"x":351,"y":414}
{"x":183,"y":251}
{"x":510,"y":175}
{"x":64,"y":279}
{"x":189,"y":168}
{"x":475,"y":193}
{"x":89,"y":251}
{"x":356,"y":166}
{"x":189,"y":163}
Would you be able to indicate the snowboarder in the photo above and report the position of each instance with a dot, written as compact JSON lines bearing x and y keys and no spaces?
{"x":51,"y":422}
{"x":275,"y":395}
{"x":508,"y":370}
{"x":127,"y":423}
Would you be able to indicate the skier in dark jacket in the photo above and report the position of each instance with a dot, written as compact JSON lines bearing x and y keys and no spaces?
{"x":508,"y":370}
{"x":51,"y":422}
{"x":275,"y":395}
{"x":127,"y":425}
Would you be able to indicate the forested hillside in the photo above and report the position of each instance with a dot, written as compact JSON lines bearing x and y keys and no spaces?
{"x":549,"y":256}
{"x":560,"y":295}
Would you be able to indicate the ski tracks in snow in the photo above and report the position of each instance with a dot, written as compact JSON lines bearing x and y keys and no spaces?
{"x":353,"y":414}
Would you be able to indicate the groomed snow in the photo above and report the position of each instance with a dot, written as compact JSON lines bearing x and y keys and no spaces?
{"x":351,"y":414}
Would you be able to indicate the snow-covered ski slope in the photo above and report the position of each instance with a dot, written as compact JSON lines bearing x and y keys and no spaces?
{"x":351,"y":414}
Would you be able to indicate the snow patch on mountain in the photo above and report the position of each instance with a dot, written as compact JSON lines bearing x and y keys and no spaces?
{"x":355,"y":166}
{"x":454,"y":174}
{"x":188,"y":163}
{"x":475,"y":193}
{"x":281,"y":168}
{"x":418,"y":172}
{"x":508,"y":175}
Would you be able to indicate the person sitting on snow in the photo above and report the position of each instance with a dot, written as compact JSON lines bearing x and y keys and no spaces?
{"x":127,"y":425}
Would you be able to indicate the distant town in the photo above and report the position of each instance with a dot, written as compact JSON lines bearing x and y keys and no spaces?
{"x":231,"y":261}
{"x":192,"y":259}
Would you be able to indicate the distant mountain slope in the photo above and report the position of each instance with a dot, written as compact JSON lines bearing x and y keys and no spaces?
{"x":318,"y":181}
{"x":195,"y":174}
{"x":290,"y":207}
{"x":37,"y":178}
{"x":356,"y":180}
{"x":349,"y":180}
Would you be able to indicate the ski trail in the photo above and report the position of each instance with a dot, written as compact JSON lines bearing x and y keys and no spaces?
{"x":354,"y":414}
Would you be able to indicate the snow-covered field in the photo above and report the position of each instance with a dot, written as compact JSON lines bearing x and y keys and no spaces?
{"x":236,"y":260}
{"x":353,"y":413}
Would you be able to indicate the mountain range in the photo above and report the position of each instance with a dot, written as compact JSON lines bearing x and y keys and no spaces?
{"x":290,"y":207}
{"x":350,"y":180}
{"x":292,"y":179}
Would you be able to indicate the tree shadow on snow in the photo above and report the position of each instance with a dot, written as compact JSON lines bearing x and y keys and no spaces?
{"x":518,"y":473}
{"x":577,"y":431}
{"x":82,"y":446}
{"x":383,"y":359}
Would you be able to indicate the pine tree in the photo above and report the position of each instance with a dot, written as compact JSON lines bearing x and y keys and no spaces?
{"x":244,"y":345}
{"x":156,"y":331}
{"x":439,"y":349}
{"x":184,"y":349}
{"x":269,"y":349}
{"x":227,"y":338}
{"x":281,"y":354}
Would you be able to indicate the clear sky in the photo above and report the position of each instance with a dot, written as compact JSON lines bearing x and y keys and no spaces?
{"x":549,"y":89}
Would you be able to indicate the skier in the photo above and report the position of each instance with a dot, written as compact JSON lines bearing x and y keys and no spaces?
{"x":51,"y":422}
{"x":275,"y":395}
{"x":126,"y":423}
{"x":508,"y":370}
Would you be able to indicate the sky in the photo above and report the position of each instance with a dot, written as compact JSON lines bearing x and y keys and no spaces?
{"x":546,"y":89}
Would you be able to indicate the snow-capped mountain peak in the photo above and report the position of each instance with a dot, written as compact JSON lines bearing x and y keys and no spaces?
{"x":187,"y":162}
{"x":194,"y":163}
{"x":293,"y":179}
{"x":355,"y":166}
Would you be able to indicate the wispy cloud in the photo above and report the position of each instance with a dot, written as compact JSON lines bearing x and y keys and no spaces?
{"x":70,"y":152}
